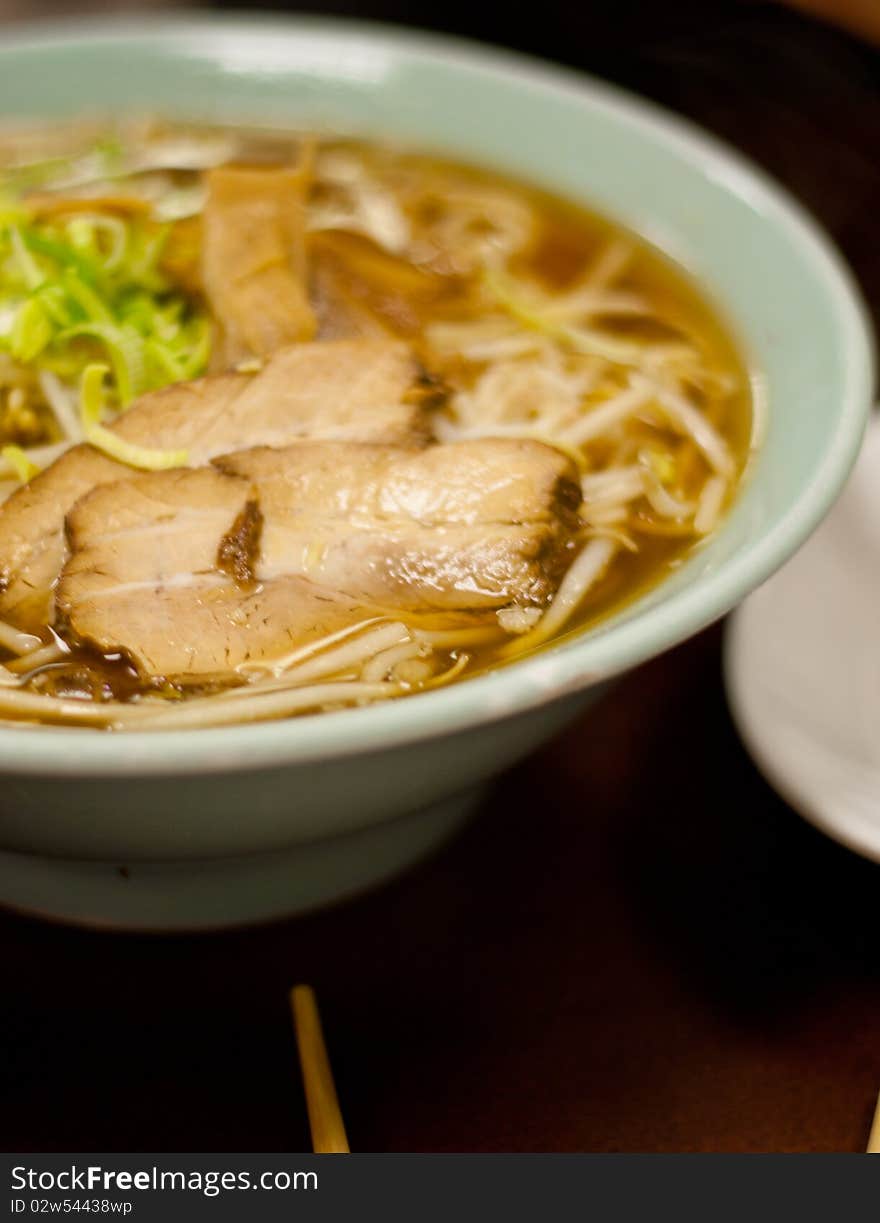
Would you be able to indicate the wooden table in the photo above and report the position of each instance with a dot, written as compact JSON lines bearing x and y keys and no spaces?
{"x":637,"y":946}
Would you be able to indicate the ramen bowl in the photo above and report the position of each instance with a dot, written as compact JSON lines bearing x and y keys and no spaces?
{"x":215,"y":827}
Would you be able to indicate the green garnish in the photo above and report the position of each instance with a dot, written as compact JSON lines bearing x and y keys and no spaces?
{"x":85,"y":286}
{"x":91,"y":408}
{"x":19,"y":462}
{"x":31,"y":330}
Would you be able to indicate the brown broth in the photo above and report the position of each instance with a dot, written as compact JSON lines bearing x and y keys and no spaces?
{"x":404,"y":297}
{"x":570,"y":238}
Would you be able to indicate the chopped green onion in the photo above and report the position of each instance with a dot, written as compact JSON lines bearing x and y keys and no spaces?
{"x":125,"y":351}
{"x":56,"y":303}
{"x":20,"y":463}
{"x":61,"y":252}
{"x":25,"y":263}
{"x":91,"y":407}
{"x":200,"y":348}
{"x":31,"y":330}
{"x":145,"y":251}
{"x":75,"y":289}
{"x":165,"y":361}
{"x":89,"y":302}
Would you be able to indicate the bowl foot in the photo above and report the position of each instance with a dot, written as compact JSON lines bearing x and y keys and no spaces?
{"x":219,"y":893}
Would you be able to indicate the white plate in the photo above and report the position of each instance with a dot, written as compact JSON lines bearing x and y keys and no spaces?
{"x":802,"y":666}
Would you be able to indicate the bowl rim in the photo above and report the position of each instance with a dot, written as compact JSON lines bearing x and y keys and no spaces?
{"x":574,"y":665}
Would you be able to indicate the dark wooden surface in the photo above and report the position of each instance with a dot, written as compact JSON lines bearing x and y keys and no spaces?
{"x":636,"y":947}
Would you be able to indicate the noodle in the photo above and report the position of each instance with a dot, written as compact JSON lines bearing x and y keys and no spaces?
{"x":532,"y":321}
{"x":583,"y":574}
{"x":16,"y":641}
{"x":259,"y":705}
{"x":709,"y":507}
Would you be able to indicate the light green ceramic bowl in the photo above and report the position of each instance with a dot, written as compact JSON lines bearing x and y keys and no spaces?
{"x":220,"y":826}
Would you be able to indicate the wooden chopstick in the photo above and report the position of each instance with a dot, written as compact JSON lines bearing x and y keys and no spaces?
{"x":873,"y":1147}
{"x":325,"y":1117}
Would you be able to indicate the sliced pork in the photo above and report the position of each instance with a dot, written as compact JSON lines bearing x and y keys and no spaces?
{"x":368,"y":390}
{"x":253,"y":267}
{"x":454,"y":527}
{"x":149,"y":574}
{"x":193,"y":572}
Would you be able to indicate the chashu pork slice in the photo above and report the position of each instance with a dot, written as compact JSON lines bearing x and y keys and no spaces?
{"x":463,"y":526}
{"x":161,"y":568}
{"x":193,"y":572}
{"x":253,"y":261}
{"x":366,"y":390}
